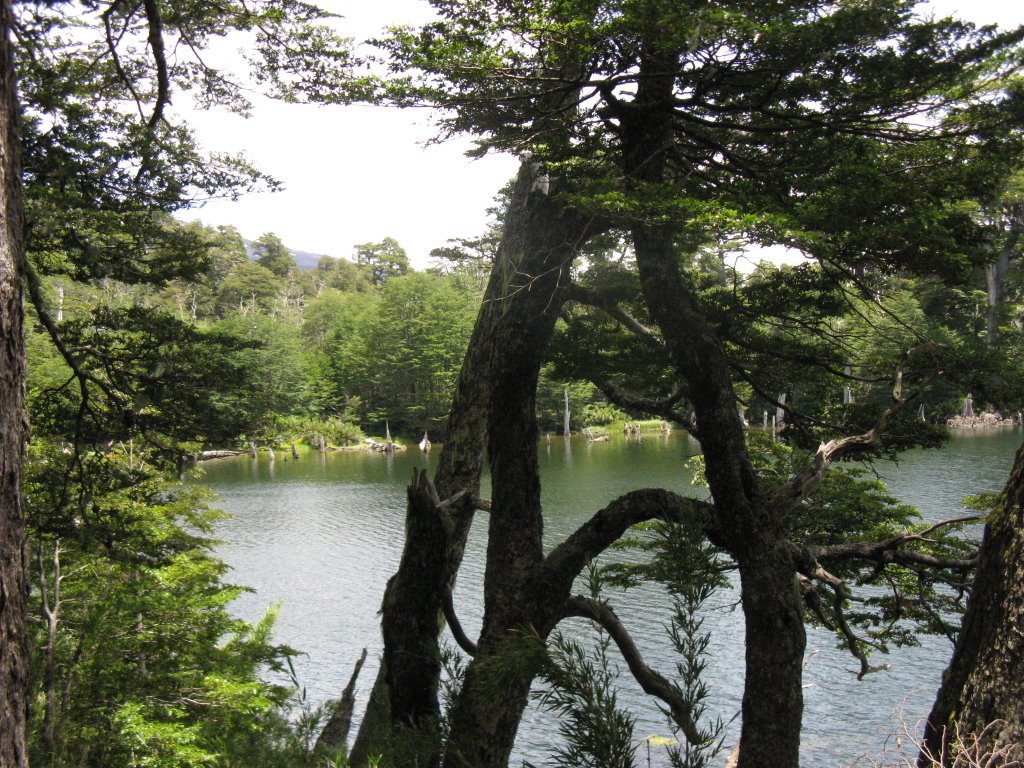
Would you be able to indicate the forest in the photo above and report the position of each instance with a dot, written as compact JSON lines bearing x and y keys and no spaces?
{"x":657,"y":141}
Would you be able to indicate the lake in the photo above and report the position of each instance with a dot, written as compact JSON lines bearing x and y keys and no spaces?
{"x":322,"y":535}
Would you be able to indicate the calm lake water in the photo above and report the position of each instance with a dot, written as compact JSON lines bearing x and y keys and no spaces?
{"x":322,"y":535}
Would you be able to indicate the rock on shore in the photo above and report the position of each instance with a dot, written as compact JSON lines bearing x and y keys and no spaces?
{"x":981,"y":421}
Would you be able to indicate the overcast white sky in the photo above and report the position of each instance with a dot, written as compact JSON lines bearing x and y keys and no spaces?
{"x":359,"y":174}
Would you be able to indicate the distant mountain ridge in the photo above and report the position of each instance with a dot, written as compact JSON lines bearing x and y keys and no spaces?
{"x":304,"y":260}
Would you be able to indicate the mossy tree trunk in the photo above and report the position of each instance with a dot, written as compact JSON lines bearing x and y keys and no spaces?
{"x":980,"y":697}
{"x":519,"y":310}
{"x":13,"y":422}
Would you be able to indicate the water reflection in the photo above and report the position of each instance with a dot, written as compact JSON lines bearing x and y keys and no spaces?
{"x":324,"y":533}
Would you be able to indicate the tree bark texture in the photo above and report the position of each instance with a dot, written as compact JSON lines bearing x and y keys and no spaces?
{"x":14,"y":688}
{"x":981,"y":693}
{"x":522,"y":295}
{"x":775,"y":637}
{"x":541,"y":240}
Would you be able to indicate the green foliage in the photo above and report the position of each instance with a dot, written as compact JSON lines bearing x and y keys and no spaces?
{"x":399,"y":351}
{"x":580,"y":688}
{"x":336,"y":431}
{"x":249,"y":287}
{"x":808,"y":136}
{"x":271,"y":253}
{"x":677,"y":554}
{"x":383,"y":260}
{"x":587,"y":406}
{"x":343,"y":275}
{"x":594,"y":732}
{"x":470,"y":258}
{"x":896,"y":600}
{"x":453,"y":663}
{"x":104,"y":156}
{"x":275,"y":355}
{"x":142,"y":374}
{"x":136,"y":658}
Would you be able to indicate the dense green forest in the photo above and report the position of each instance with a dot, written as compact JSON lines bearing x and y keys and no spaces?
{"x":351,"y":345}
{"x":288,"y":356}
{"x":338,"y":351}
{"x":658,"y":140}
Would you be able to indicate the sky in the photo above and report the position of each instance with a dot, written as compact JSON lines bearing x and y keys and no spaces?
{"x":358,"y":174}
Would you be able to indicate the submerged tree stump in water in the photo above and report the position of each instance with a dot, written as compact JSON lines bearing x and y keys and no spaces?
{"x":332,"y":741}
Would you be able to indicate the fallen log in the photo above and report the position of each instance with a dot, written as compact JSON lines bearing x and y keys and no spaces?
{"x":206,"y":455}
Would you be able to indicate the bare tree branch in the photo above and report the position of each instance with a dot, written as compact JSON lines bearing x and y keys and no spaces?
{"x":889,"y":550}
{"x":662,"y":406}
{"x":852,"y":641}
{"x":804,"y":482}
{"x":115,"y":57}
{"x":156,"y":45}
{"x":455,"y":625}
{"x":616,"y":311}
{"x":650,"y":680}
{"x":565,"y":561}
{"x":334,"y":736}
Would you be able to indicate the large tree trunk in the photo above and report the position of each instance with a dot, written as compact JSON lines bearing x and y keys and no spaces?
{"x":980,"y":695}
{"x":521,"y":296}
{"x":14,"y":689}
{"x":484,"y":723}
{"x":404,"y":701}
{"x":775,"y":637}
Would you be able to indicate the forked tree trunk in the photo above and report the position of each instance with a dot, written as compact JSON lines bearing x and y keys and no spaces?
{"x":981,"y":693}
{"x":517,"y":600}
{"x":404,"y":707}
{"x":14,"y":690}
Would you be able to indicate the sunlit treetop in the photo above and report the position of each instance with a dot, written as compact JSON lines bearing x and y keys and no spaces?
{"x":781,"y":112}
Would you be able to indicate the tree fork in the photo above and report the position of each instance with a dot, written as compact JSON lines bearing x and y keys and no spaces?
{"x":517,"y":294}
{"x":541,"y":237}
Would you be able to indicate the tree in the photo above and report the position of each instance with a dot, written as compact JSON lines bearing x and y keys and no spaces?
{"x":272,"y":365}
{"x":227,"y":251}
{"x":404,"y":710}
{"x":384,"y":259}
{"x":135,"y":655}
{"x":402,"y":358}
{"x":469,"y":257}
{"x":342,"y":275}
{"x":103,"y":164}
{"x":698,"y":120}
{"x":248,"y":288}
{"x":14,"y":698}
{"x":978,"y":706}
{"x":271,"y":253}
